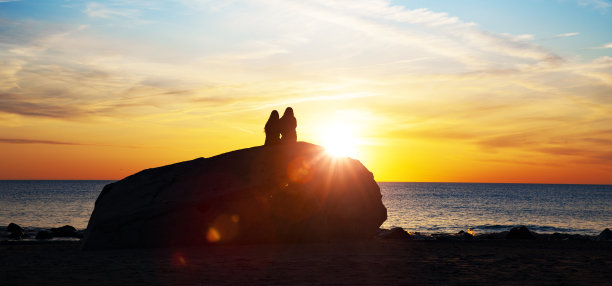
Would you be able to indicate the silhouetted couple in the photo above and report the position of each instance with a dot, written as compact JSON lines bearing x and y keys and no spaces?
{"x":284,"y":126}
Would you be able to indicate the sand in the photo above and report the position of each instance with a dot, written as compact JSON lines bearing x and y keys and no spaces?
{"x":374,"y":262}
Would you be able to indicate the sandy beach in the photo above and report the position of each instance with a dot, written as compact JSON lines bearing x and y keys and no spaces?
{"x":374,"y":262}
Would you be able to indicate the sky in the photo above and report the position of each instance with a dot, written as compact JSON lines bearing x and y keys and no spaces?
{"x":428,"y":91}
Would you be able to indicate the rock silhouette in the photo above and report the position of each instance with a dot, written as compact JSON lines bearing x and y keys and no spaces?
{"x":394,"y":233}
{"x":65,"y":231}
{"x":13,"y":227}
{"x":15,"y":231}
{"x":606,"y":234}
{"x":265,"y":194}
{"x":521,"y":232}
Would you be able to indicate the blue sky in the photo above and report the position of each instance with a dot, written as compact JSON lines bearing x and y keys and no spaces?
{"x":546,"y":20}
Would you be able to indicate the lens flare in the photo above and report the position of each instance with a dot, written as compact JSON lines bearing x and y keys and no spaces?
{"x":300,"y":170}
{"x":179,"y":259}
{"x":213,"y":235}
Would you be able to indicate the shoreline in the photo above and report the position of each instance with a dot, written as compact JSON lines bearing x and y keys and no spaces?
{"x":376,"y":261}
{"x":30,"y":235}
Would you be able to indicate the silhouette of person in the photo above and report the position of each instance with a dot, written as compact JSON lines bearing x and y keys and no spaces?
{"x":272,"y":129}
{"x":288,"y":123}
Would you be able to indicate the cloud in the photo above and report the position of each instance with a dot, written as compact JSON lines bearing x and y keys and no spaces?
{"x":567,"y":35}
{"x":34,"y":141}
{"x":15,"y":104}
{"x":605,"y":46}
{"x":53,"y":142}
{"x":435,"y":32}
{"x":97,"y":10}
{"x":601,"y":5}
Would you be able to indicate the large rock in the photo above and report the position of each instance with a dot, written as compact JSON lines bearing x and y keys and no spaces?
{"x":280,"y":193}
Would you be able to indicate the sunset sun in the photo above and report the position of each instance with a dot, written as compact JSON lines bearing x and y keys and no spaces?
{"x":340,"y":140}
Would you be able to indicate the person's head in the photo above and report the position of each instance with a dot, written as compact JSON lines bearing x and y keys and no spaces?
{"x":274,"y":115}
{"x":288,"y":112}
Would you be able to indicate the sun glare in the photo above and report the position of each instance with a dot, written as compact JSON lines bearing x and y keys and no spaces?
{"x":340,"y":140}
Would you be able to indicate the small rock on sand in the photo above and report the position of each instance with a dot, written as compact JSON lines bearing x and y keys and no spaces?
{"x":13,"y":227}
{"x":606,"y":234}
{"x":16,"y":231}
{"x":394,"y":233}
{"x":520,"y":233}
{"x":64,"y":231}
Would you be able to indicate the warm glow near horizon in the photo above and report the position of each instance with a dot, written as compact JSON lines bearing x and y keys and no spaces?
{"x":452,"y":91}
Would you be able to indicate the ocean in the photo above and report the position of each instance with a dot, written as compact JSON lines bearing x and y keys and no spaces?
{"x":427,"y":208}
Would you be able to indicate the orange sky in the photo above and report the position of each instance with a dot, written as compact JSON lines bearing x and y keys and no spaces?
{"x":436,"y":94}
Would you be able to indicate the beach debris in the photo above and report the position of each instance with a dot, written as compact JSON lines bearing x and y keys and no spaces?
{"x":65,"y":231}
{"x":394,"y":233}
{"x":521,"y":232}
{"x":44,"y":234}
{"x":606,"y":234}
{"x":15,"y":231}
{"x":267,"y":194}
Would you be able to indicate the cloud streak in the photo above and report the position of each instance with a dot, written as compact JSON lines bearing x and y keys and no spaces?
{"x":566,"y":35}
{"x":98,"y":10}
{"x":53,"y":142}
{"x":34,"y":141}
{"x":602,"y":47}
{"x":601,"y":5}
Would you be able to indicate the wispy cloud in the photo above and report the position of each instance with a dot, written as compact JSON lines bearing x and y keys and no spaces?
{"x":435,"y":32}
{"x":98,"y":10}
{"x":40,"y":109}
{"x":601,"y":5}
{"x":605,"y":46}
{"x":54,"y":142}
{"x":565,"y":35}
{"x":35,"y":141}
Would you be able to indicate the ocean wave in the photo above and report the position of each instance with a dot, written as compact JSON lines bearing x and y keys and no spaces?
{"x":536,"y":228}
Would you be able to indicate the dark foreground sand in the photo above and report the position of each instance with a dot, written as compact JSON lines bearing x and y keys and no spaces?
{"x":348,"y":263}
